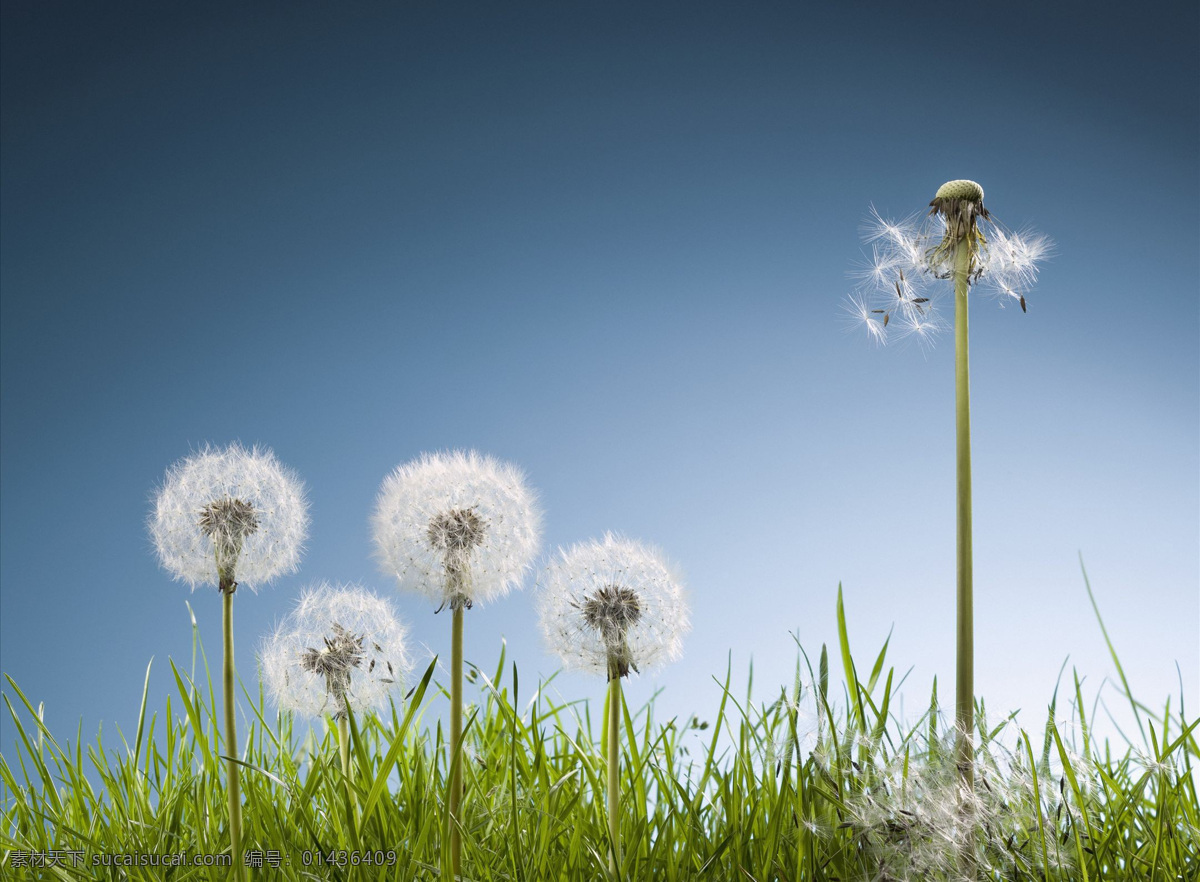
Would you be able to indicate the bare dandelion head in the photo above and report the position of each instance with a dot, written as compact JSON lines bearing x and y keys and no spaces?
{"x":226,"y":514}
{"x":896,"y":290}
{"x":612,"y":606}
{"x":459,"y":527}
{"x":341,"y":648}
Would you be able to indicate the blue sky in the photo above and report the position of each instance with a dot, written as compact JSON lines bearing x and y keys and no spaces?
{"x":609,"y":243}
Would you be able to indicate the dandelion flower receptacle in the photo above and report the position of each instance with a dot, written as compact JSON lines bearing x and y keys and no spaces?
{"x":610,"y":607}
{"x":224,"y":517}
{"x":462,"y":529}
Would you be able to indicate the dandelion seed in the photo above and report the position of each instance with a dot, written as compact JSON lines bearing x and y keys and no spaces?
{"x":860,"y":315}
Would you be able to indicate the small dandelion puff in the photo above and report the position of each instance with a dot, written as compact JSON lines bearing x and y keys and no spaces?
{"x":459,"y":527}
{"x":612,"y":606}
{"x":228,"y":513}
{"x":342,"y":648}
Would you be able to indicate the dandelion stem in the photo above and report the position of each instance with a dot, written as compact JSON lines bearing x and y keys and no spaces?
{"x":235,"y":803}
{"x":614,"y":769}
{"x":343,"y":724}
{"x":455,"y":799}
{"x":964,"y":713}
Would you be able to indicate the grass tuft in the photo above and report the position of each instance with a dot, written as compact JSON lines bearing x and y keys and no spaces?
{"x":796,"y":788}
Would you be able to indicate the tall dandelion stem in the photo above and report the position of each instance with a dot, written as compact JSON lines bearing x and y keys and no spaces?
{"x":964,"y":711}
{"x":965,"y":689}
{"x":456,"y":786}
{"x":614,"y":768}
{"x":227,"y":675}
{"x":343,"y":724}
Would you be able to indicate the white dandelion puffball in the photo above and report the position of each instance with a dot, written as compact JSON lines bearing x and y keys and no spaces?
{"x":458,"y":527}
{"x":613,"y":605}
{"x":229,"y":513}
{"x":341,"y":648}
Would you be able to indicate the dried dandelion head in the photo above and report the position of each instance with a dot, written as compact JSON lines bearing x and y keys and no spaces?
{"x":459,"y":527}
{"x":227,"y":515}
{"x":341,"y":648}
{"x":612,"y":606}
{"x":896,"y":294}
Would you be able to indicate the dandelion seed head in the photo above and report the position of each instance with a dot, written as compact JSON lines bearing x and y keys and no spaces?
{"x":231,"y":510}
{"x":341,"y":648}
{"x":611,"y":606}
{"x":459,"y":527}
{"x":908,"y":256}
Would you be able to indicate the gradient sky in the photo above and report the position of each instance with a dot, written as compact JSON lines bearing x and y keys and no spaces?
{"x":610,"y":243}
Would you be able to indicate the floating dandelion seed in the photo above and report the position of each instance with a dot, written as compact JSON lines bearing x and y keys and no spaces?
{"x":612,"y":606}
{"x":342,"y":648}
{"x":458,"y":527}
{"x":229,"y":513}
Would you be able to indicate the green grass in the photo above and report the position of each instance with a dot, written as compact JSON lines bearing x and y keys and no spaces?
{"x":761,"y":791}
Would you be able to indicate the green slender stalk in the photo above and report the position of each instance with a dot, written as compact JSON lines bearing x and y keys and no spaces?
{"x":343,"y":724}
{"x":228,"y":586}
{"x":964,"y":708}
{"x":454,"y":802}
{"x":614,"y":770}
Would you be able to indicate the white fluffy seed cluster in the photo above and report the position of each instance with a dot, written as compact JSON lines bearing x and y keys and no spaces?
{"x":898,"y":292}
{"x":457,"y":526}
{"x":268,"y":498}
{"x":915,"y":818}
{"x":576,"y":576}
{"x":341,"y":648}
